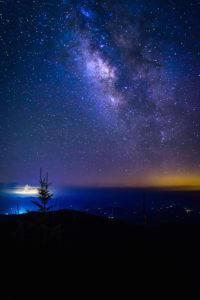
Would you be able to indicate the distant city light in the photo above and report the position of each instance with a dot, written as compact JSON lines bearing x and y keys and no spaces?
{"x":188,"y":210}
{"x":26,"y":190}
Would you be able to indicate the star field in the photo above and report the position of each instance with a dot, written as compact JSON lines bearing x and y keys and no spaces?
{"x":99,"y":92}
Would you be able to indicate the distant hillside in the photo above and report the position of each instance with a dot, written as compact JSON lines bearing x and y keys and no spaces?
{"x":81,"y":234}
{"x":64,"y":231}
{"x":67,"y":238}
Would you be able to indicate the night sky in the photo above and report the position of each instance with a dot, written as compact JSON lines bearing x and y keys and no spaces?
{"x":99,"y":92}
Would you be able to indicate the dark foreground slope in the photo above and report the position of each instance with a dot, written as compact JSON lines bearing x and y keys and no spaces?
{"x":65,"y":232}
{"x":166,"y":255}
{"x":75,"y":233}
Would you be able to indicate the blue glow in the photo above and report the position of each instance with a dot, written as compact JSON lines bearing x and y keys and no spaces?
{"x":86,"y":12}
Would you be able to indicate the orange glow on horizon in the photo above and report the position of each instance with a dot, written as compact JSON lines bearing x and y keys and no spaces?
{"x":174,"y":181}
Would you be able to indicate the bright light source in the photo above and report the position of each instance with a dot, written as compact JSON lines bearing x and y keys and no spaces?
{"x":26,"y":190}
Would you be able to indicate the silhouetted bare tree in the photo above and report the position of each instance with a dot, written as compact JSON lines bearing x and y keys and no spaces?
{"x":44,"y":195}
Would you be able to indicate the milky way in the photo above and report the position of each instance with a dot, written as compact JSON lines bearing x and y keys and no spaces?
{"x":99,"y":92}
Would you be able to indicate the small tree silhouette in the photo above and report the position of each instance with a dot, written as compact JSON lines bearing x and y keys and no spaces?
{"x":44,"y":195}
